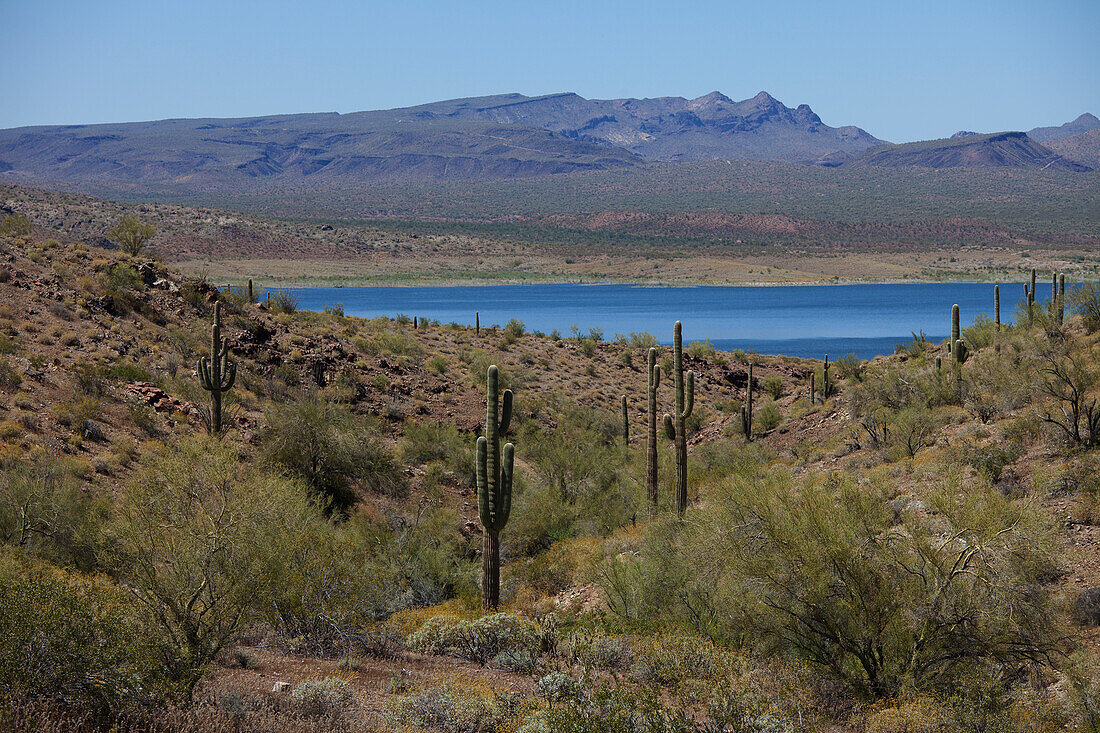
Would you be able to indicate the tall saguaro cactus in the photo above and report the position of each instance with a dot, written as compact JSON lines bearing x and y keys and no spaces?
{"x":746,"y":409}
{"x":651,"y":438}
{"x":825,"y":380}
{"x":477,"y":323}
{"x":959,"y":352}
{"x":494,"y":487}
{"x":217,"y":373}
{"x":676,"y":430}
{"x":813,"y":394}
{"x":251,"y":293}
{"x":1061,"y":299}
{"x":626,"y":422}
{"x":1030,"y":293}
{"x":997,"y":308}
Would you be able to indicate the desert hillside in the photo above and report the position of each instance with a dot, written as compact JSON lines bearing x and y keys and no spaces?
{"x":915,"y":545}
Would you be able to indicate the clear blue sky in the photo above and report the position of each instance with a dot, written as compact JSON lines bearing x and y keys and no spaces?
{"x":902,"y":70}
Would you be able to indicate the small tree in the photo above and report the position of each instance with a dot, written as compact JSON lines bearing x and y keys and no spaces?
{"x":1072,"y":380}
{"x":201,"y":543}
{"x":330,"y":448}
{"x":131,"y":234}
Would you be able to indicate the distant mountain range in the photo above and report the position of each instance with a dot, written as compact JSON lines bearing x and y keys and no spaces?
{"x":497,"y":137}
{"x":970,"y":150}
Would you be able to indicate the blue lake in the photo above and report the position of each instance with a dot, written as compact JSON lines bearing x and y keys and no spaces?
{"x":811,"y":321}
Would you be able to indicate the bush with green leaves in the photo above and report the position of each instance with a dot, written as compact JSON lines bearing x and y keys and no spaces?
{"x":825,"y":571}
{"x":329,"y":697}
{"x":202,"y":543}
{"x":1084,"y":300}
{"x":131,"y":234}
{"x":77,"y":639}
{"x":429,"y":441}
{"x":478,"y":640}
{"x":45,"y":511}
{"x":331,"y":449}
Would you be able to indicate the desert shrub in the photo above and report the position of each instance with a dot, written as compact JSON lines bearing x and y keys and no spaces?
{"x":981,"y":334}
{"x":849,"y":367}
{"x":44,"y":510}
{"x":702,"y":349}
{"x":281,"y":301}
{"x":89,"y":378}
{"x":131,"y":234}
{"x":75,"y":639}
{"x":328,"y":697}
{"x":1086,"y":607}
{"x":459,"y":704}
{"x":478,"y":640}
{"x":1085,"y":301}
{"x":768,"y":416}
{"x":425,"y":442}
{"x":596,"y":649}
{"x":15,"y":225}
{"x":201,"y":543}
{"x":329,"y":448}
{"x":825,"y":571}
{"x":773,"y":386}
{"x":514,"y":330}
{"x":438,"y":364}
{"x":10,"y":378}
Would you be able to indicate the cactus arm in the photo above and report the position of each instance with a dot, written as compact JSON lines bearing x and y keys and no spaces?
{"x":483,"y":509}
{"x":230,"y":377}
{"x":689,"y":395}
{"x":505,"y":412}
{"x":670,"y":428}
{"x":204,"y":373}
{"x":504,"y":505}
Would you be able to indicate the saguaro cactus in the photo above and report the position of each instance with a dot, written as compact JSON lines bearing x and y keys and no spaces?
{"x":217,"y":373}
{"x":494,"y":487}
{"x":825,"y":387}
{"x":626,"y":422}
{"x":813,"y":395}
{"x":651,"y":439}
{"x":958,"y":348}
{"x":477,"y":323}
{"x":997,"y":308}
{"x":251,"y":294}
{"x":676,"y":430}
{"x":746,"y":409}
{"x":1030,"y":292}
{"x":1061,"y":299}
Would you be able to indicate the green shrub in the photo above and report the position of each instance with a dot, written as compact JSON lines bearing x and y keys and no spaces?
{"x":203,"y":544}
{"x":478,"y":640}
{"x":331,"y":449}
{"x":15,"y":225}
{"x":329,"y":697}
{"x":281,"y":301}
{"x":1085,"y":301}
{"x":514,"y":329}
{"x":425,"y":442}
{"x":76,"y":639}
{"x":768,"y":416}
{"x":773,"y":386}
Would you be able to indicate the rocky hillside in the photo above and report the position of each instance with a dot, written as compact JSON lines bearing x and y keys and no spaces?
{"x":995,"y":150}
{"x":1083,"y":123}
{"x":1084,"y":147}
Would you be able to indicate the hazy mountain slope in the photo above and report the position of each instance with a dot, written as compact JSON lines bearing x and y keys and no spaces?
{"x":1083,"y":123}
{"x":995,"y":150}
{"x":504,"y":136}
{"x":221,"y":154}
{"x":1084,"y":147}
{"x":674,"y":128}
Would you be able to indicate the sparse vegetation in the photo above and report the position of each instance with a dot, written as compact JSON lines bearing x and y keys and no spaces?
{"x":912,"y":554}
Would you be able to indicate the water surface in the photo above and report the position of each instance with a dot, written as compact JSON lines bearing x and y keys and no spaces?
{"x":865,"y":319}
